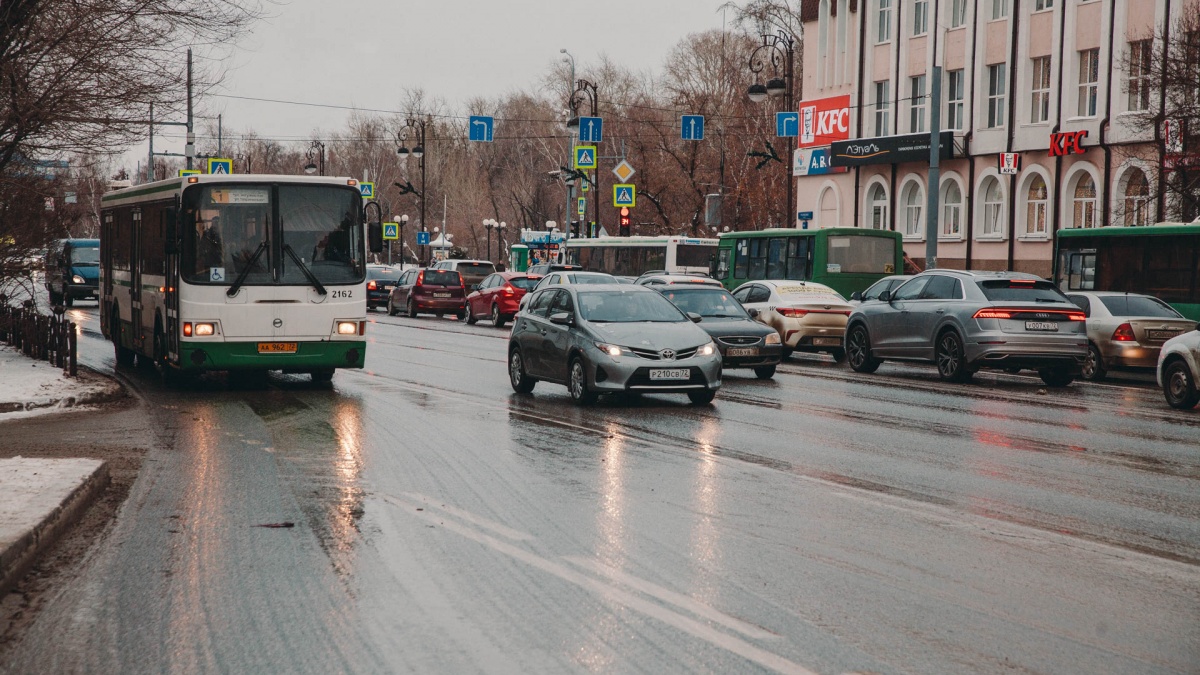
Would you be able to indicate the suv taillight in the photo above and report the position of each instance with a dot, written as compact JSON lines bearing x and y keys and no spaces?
{"x":420,"y":277}
{"x":993,"y":314}
{"x":1123,"y":333}
{"x":372,"y":286}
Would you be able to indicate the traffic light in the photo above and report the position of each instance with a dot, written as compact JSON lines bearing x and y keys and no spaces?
{"x":625,"y":221}
{"x":574,"y":228}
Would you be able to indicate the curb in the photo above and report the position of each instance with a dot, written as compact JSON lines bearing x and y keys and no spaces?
{"x":21,"y":554}
{"x":113,"y":393}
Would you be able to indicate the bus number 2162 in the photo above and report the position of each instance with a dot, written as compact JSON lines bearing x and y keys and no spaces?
{"x":341,"y":294}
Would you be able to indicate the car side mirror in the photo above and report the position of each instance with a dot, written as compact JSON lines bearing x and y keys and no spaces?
{"x":885,"y":296}
{"x":696,"y":318}
{"x":475,"y":287}
{"x":753,"y":313}
{"x":856,"y":296}
{"x":561,"y":319}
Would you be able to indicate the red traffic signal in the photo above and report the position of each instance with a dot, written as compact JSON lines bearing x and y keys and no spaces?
{"x":624,"y":221}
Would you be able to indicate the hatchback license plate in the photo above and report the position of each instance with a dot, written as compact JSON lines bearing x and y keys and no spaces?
{"x":441,"y":295}
{"x":826,"y":342}
{"x":741,"y":351}
{"x":1041,"y":325}
{"x":1161,"y":334}
{"x":277,"y":348}
{"x":670,"y":374}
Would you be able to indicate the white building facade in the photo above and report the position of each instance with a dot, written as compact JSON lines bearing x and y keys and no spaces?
{"x":1052,"y":86}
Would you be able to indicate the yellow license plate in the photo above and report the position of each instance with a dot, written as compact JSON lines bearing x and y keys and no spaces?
{"x":277,"y":348}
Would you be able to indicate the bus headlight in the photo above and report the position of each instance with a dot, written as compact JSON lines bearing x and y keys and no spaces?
{"x":205,"y":329}
{"x":347,"y":327}
{"x":773,"y":339}
{"x":77,"y":279}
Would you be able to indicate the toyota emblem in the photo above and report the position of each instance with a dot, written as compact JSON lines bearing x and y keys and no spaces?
{"x":667,"y":354}
{"x":278,"y":323}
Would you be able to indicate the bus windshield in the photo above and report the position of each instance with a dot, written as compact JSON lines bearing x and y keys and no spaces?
{"x":695,"y":255}
{"x":272,"y":234}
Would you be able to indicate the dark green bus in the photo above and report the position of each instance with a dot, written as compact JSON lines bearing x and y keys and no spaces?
{"x":846,"y":259}
{"x":1160,"y":260}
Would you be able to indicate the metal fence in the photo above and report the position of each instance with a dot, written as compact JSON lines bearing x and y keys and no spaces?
{"x":46,"y":337}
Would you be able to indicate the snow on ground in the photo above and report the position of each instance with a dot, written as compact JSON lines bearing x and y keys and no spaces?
{"x":29,"y":387}
{"x":33,"y":488}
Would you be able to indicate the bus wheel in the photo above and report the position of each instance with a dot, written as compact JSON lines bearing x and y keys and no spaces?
{"x":124,"y":356}
{"x":323,"y":376}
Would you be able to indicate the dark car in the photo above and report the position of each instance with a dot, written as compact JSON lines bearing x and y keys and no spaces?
{"x":73,"y":270}
{"x":965,"y":321}
{"x":430,"y":291}
{"x":380,"y":281}
{"x":744,"y":342}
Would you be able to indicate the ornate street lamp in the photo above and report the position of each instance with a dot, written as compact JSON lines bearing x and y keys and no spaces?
{"x":416,"y":129}
{"x":585,"y":92}
{"x":311,"y":167}
{"x":777,"y":52}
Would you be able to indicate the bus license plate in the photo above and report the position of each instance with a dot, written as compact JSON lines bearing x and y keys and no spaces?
{"x":441,"y":295}
{"x":1161,"y":334}
{"x":741,"y":351}
{"x":670,"y":374}
{"x":277,"y":348}
{"x":1041,"y":325}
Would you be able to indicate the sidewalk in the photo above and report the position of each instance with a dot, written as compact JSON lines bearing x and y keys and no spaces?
{"x":29,"y":387}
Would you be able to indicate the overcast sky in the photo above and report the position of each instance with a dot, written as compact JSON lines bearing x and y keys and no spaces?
{"x":365,"y":52}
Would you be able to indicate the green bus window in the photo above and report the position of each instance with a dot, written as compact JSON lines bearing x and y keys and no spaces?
{"x":776,"y":265}
{"x":797,"y":259}
{"x":741,"y":263}
{"x":722,"y":271}
{"x":758,"y":259}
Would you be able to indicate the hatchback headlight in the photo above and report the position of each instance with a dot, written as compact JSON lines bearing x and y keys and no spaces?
{"x":77,"y":279}
{"x":612,"y":350}
{"x":707,"y":350}
{"x":773,"y":339}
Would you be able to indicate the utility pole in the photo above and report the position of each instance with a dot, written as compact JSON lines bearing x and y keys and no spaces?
{"x":191,"y":131}
{"x":935,"y":152}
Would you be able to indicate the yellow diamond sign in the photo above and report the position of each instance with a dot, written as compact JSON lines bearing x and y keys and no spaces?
{"x":624,"y":171}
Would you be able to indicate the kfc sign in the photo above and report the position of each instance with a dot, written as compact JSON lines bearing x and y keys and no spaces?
{"x":824,"y":121}
{"x":1070,"y":143}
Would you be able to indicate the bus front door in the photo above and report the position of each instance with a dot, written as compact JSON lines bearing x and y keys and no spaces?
{"x":135,"y":283}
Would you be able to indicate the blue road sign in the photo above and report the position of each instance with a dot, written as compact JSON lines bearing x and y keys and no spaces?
{"x":582,"y":206}
{"x":624,"y":194}
{"x":591,"y":129}
{"x":787,"y":124}
{"x":480,"y":129}
{"x":220,"y":165}
{"x":691,"y":127}
{"x":422,"y":239}
{"x":585,"y":157}
{"x":805,"y":215}
{"x":366,"y":189}
{"x":390,"y":231}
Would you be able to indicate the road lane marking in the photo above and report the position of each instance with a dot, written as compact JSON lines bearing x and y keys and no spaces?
{"x":611,"y":593}
{"x":430,"y":502}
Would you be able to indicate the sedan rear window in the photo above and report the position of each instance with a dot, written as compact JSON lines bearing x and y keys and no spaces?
{"x":1137,"y":305}
{"x":377,"y":273}
{"x":523,"y":283}
{"x":1020,"y":290}
{"x":476,"y":269}
{"x":442,"y":278}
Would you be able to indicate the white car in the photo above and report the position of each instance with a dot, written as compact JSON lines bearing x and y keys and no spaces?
{"x":1179,"y":370}
{"x":809,"y":317}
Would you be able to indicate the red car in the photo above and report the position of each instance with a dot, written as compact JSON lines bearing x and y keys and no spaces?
{"x":431,"y":291}
{"x":499,"y":296}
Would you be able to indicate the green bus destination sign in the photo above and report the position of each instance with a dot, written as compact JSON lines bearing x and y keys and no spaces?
{"x":888,"y":150}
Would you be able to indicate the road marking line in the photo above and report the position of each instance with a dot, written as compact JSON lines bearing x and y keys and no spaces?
{"x":678,"y":599}
{"x":502,"y":530}
{"x":634,"y":602}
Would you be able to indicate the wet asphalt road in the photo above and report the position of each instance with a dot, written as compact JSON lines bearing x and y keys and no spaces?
{"x":820,"y":522}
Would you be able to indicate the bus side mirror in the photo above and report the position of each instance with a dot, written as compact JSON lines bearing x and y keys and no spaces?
{"x":171,"y":230}
{"x":375,"y":237}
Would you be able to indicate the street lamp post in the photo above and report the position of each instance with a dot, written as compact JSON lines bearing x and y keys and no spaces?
{"x":311,"y":168}
{"x":778,"y":53}
{"x":490,"y":224}
{"x":402,"y":220}
{"x":585,"y":92}
{"x":414,"y":127}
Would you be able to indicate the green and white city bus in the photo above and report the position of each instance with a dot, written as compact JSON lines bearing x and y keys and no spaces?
{"x":846,"y":259}
{"x":1160,"y":260}
{"x":236,"y":273}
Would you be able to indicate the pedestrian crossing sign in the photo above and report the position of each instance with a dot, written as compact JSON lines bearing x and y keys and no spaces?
{"x":625,"y":194}
{"x":390,"y":231}
{"x":585,"y":157}
{"x":367,"y":189}
{"x":219,"y":165}
{"x":581,"y":206}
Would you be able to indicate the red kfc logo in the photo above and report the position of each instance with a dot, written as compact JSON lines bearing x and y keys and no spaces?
{"x":1070,"y":143}
{"x":824,"y":121}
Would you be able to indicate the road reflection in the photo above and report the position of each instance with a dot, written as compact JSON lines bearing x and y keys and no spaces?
{"x":705,"y":547}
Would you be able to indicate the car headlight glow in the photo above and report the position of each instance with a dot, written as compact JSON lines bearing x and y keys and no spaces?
{"x":707,"y":350}
{"x":773,"y":339}
{"x":77,"y":279}
{"x":347,"y":327}
{"x":205,"y":329}
{"x":611,"y":350}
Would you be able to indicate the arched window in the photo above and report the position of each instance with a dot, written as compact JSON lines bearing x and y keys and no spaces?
{"x":877,"y":208}
{"x":952,"y":210}
{"x":1137,"y":198}
{"x":993,"y":208}
{"x":914,"y":206}
{"x":828,"y":216}
{"x":1085,"y":202}
{"x":1037,"y":204}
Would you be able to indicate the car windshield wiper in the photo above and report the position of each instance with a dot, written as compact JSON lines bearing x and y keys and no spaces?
{"x":312,"y":278}
{"x":237,"y":283}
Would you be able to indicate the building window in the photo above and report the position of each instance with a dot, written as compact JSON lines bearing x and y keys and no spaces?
{"x":993,"y":209}
{"x":884,"y":28}
{"x":1085,"y":202}
{"x":877,"y":208}
{"x":1041,"y":90}
{"x":920,"y":17}
{"x":999,"y":9}
{"x":883,"y":105}
{"x":1089,"y":76}
{"x":917,"y":104}
{"x":954,"y":101}
{"x":914,"y":206}
{"x":1137,"y":199}
{"x":1037,"y":201}
{"x":1039,"y":5}
{"x":996,"y":90}
{"x":958,"y":13}
{"x":1140,"y":60}
{"x":952,"y":211}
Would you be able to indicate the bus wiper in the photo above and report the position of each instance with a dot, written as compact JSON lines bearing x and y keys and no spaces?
{"x":237,"y":283}
{"x":312,"y":278}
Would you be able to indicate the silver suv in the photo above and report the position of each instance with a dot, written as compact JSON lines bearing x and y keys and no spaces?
{"x":965,"y":321}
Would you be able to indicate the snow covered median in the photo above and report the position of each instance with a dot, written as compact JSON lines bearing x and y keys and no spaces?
{"x":29,"y":387}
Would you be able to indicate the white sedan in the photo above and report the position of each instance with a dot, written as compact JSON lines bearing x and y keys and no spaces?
{"x":1179,"y":370}
{"x":809,"y":317}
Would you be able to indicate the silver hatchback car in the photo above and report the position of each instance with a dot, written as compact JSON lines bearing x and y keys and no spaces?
{"x":603,"y":339}
{"x":965,"y":321}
